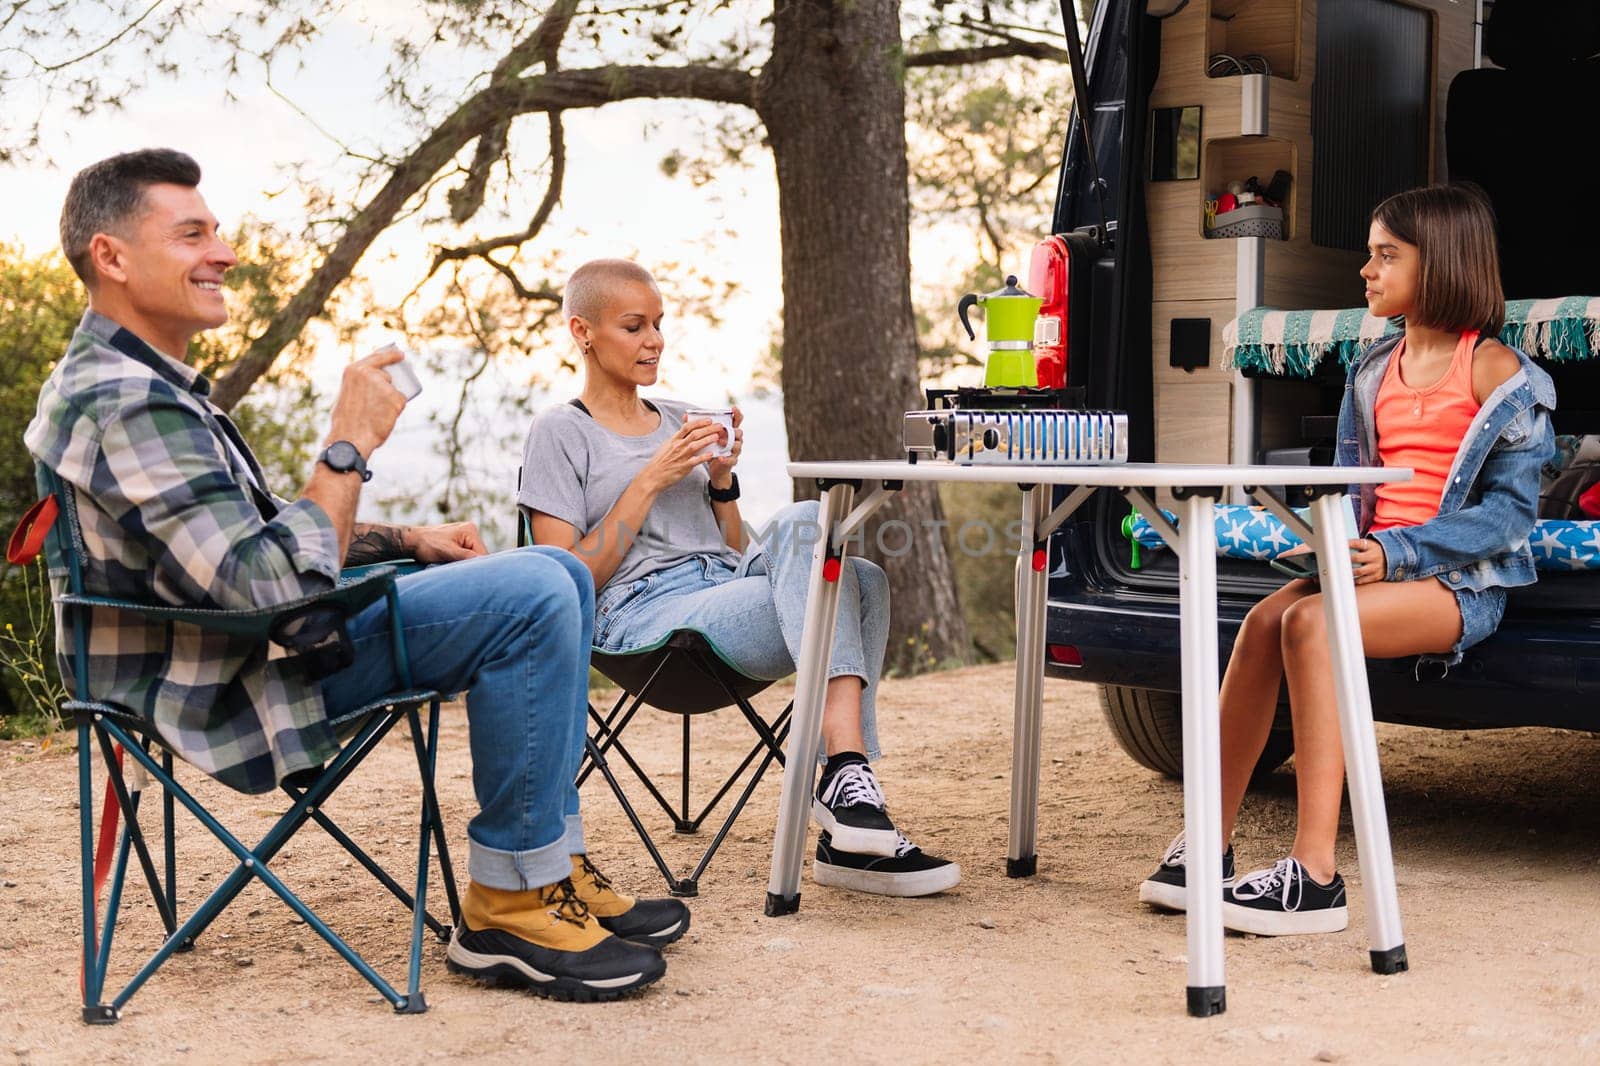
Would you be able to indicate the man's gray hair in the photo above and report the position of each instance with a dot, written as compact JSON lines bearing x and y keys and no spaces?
{"x":106,"y":196}
{"x":591,"y":285}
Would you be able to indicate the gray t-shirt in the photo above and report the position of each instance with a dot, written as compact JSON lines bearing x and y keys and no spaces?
{"x":575,"y":469}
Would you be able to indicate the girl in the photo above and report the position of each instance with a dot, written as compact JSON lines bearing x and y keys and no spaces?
{"x":1471,"y":418}
{"x":639,"y":493}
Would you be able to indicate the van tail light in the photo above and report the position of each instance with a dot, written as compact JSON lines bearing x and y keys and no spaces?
{"x":1047,"y":279}
{"x":1064,"y":654}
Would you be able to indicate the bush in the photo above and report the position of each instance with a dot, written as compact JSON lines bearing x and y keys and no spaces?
{"x":40,"y":304}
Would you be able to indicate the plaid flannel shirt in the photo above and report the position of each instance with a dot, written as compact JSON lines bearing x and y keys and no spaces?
{"x":174,"y":509}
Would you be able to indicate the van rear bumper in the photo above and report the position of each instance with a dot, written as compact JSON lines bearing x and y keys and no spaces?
{"x":1535,"y":671}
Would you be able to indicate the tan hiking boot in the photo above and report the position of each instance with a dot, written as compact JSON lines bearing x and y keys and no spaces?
{"x":656,"y":922}
{"x":545,"y":939}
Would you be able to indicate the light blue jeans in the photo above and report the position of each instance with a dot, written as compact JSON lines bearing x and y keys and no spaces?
{"x":754,"y":613}
{"x":510,"y":630}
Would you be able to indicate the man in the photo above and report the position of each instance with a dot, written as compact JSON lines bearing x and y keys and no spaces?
{"x":173,"y":507}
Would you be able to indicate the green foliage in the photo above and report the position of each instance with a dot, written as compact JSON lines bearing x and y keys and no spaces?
{"x":983,"y":551}
{"x":27,"y":653}
{"x":984,"y":145}
{"x":40,"y":304}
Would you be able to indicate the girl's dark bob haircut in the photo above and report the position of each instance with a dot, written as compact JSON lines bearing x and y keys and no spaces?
{"x":1453,"y":229}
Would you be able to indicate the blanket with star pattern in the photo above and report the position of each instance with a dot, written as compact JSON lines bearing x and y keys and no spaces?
{"x":1245,"y":532}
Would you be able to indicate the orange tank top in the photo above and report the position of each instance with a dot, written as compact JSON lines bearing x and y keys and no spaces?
{"x":1422,"y":429}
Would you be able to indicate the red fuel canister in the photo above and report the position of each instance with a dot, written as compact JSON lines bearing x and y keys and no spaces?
{"x":1047,"y":279}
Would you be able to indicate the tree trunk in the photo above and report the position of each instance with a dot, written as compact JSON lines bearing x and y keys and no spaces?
{"x":832,"y":98}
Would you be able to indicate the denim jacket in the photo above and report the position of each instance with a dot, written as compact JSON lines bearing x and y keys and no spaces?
{"x":1479,"y":539}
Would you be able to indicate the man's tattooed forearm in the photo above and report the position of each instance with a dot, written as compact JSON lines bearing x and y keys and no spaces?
{"x":375,"y":544}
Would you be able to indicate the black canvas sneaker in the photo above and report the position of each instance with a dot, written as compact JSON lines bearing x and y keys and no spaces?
{"x":1283,"y":901}
{"x":909,"y":872}
{"x":1167,"y":887}
{"x":849,"y":805}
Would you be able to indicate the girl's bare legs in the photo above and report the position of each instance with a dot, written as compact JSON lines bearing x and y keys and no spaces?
{"x":1249,"y":698}
{"x":1398,"y":618}
{"x":841,"y":715}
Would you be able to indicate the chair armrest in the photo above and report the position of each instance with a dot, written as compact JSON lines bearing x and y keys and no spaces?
{"x":401,"y":568}
{"x":353,"y":592}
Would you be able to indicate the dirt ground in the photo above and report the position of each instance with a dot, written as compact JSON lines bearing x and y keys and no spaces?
{"x":1494,"y":840}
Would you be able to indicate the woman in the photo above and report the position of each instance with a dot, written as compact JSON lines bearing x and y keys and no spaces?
{"x":648,"y":500}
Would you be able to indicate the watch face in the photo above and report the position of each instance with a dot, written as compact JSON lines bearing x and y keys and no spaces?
{"x":342,"y":455}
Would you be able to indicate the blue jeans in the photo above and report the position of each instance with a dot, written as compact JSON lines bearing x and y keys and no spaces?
{"x":754,"y":613}
{"x":510,"y":630}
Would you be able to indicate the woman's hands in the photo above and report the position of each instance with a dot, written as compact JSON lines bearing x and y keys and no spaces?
{"x":683,"y":451}
{"x":693,"y":444}
{"x":721,"y":467}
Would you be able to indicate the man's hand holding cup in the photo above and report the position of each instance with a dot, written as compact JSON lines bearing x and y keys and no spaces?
{"x":371,"y":396}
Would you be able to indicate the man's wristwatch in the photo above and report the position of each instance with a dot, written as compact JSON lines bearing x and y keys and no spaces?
{"x":727,"y":495}
{"x":342,"y":457}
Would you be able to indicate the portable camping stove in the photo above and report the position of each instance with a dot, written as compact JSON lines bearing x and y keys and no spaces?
{"x":998,"y":426}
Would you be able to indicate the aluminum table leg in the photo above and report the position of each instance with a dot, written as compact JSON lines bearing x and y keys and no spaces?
{"x":805,"y":733}
{"x":1388,"y":951}
{"x":1022,"y":859}
{"x":1202,"y":753}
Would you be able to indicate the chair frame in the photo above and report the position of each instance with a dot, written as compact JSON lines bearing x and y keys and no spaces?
{"x":723,"y":680}
{"x":115,"y":730}
{"x":607,"y":737}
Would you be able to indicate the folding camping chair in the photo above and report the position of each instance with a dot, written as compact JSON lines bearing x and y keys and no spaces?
{"x":682,"y":675}
{"x":52,"y":524}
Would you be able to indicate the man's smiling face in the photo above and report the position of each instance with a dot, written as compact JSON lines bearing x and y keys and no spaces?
{"x":175,"y":261}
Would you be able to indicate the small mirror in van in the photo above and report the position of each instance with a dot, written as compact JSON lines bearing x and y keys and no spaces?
{"x":1175,"y":143}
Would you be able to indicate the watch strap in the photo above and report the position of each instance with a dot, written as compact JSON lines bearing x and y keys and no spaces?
{"x":727,"y":495}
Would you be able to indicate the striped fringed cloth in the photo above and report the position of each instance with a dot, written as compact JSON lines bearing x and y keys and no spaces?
{"x":1293,"y":343}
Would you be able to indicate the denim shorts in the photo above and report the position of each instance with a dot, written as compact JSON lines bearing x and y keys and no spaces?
{"x":1481,"y":611}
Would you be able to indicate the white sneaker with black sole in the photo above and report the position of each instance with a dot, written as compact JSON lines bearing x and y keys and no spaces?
{"x":1284,"y":901}
{"x":849,"y":805}
{"x":909,"y":872}
{"x":1168,"y":886}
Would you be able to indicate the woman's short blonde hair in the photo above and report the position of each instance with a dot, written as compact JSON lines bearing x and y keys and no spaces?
{"x":1454,"y":230}
{"x":589,"y":289}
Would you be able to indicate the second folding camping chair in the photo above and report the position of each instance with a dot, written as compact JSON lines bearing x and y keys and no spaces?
{"x":116,"y":731}
{"x":682,"y":675}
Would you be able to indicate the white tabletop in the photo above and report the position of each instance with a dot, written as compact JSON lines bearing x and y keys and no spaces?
{"x":1129,"y":475}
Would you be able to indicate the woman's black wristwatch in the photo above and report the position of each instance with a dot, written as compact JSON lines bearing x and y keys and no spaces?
{"x":727,"y":495}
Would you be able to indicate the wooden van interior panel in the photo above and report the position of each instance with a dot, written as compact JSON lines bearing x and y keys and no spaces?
{"x":1220,"y":312}
{"x":1267,"y":28}
{"x":1191,"y":423}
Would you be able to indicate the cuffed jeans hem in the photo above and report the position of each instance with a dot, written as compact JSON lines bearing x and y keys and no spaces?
{"x":518,"y":871}
{"x":574,"y":838}
{"x":870,"y":732}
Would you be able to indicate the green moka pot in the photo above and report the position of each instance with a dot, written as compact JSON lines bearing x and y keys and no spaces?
{"x":1009,"y":314}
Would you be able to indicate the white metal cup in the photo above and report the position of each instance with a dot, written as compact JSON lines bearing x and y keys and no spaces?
{"x":404,"y":377}
{"x":723,"y":416}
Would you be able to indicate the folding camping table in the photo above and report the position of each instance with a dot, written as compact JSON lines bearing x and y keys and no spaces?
{"x":1196,"y":490}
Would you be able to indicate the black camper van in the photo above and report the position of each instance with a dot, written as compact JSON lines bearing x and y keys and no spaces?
{"x":1351,"y":100}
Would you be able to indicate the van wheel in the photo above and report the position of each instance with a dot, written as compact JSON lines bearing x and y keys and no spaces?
{"x":1148,"y":725}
